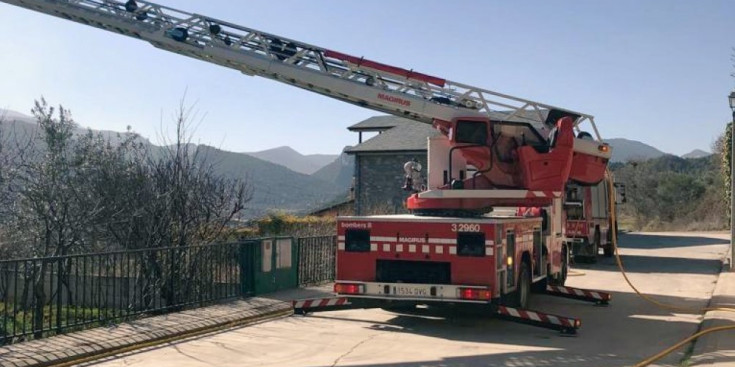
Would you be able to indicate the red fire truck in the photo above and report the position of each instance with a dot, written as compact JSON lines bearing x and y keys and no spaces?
{"x":588,"y":223}
{"x":450,"y":250}
{"x":495,"y":150}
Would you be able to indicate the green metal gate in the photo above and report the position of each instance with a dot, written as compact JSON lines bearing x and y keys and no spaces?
{"x":276,"y":261}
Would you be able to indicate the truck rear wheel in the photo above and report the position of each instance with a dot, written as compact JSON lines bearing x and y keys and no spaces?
{"x":540,"y":286}
{"x":596,"y":244}
{"x":562,"y":277}
{"x":609,"y":250}
{"x":520,"y":297}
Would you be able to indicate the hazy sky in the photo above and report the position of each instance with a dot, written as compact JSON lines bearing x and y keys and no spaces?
{"x":654,"y":71}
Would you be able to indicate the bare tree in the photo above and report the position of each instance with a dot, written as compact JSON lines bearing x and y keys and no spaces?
{"x":77,"y":193}
{"x":198,"y":205}
{"x":13,"y":145}
{"x":167,"y":196}
{"x":52,"y":209}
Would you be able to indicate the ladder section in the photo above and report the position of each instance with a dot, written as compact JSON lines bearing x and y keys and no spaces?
{"x":367,"y":83}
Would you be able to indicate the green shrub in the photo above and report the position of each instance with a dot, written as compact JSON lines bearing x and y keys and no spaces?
{"x":281,"y":224}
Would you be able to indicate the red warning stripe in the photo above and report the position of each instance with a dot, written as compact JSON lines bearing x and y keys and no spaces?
{"x":409,"y":74}
{"x":597,"y":295}
{"x":319,"y":302}
{"x":539,"y":317}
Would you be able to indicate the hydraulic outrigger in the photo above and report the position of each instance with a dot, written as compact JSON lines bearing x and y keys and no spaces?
{"x":565,"y":325}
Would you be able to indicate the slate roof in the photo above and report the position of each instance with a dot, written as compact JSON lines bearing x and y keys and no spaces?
{"x":378,"y":123}
{"x":406,"y":136}
{"x":344,"y":202}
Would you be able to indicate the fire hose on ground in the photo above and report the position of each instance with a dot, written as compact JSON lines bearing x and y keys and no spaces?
{"x":667,"y":351}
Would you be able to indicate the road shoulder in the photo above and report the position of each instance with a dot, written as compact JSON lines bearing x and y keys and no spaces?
{"x":718,"y":349}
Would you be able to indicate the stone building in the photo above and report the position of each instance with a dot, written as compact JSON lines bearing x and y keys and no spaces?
{"x":379,"y":161}
{"x":341,"y":208}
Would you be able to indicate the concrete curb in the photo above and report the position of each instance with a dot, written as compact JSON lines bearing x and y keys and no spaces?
{"x":717,"y":349}
{"x":93,"y":344}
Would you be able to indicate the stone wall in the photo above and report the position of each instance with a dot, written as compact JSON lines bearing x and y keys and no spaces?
{"x":379,"y":182}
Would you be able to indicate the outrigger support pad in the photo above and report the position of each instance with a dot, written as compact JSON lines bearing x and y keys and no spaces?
{"x":597,"y":297}
{"x":304,"y":306}
{"x":565,"y":325}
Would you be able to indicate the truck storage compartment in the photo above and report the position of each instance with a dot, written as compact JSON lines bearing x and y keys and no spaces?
{"x":417,"y":272}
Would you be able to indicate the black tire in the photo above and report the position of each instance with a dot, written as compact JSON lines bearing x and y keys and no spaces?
{"x":596,"y":241}
{"x":564,"y":273}
{"x":609,"y":250}
{"x":523,"y":291}
{"x":540,"y":286}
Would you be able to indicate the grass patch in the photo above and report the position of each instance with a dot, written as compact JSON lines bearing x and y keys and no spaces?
{"x":16,"y":324}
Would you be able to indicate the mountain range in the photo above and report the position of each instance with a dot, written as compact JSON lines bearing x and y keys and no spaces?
{"x":696,"y":153}
{"x":286,"y":180}
{"x":626,"y":150}
{"x":295,"y":161}
{"x":276,"y":187}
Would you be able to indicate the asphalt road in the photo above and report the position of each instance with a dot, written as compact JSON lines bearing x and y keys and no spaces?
{"x":675,"y":268}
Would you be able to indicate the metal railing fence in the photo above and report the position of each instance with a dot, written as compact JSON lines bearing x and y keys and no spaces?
{"x":46,"y":296}
{"x":317,"y":259}
{"x":40,"y":297}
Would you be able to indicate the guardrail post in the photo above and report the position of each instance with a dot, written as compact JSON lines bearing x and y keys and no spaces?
{"x":247,"y":267}
{"x":333,"y":259}
{"x":172,"y":286}
{"x":58,"y":294}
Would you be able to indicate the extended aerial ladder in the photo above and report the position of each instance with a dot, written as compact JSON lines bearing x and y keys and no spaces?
{"x":495,"y":149}
{"x":521,"y":152}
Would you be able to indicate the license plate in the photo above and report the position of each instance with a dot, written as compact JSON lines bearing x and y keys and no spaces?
{"x":413,"y":291}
